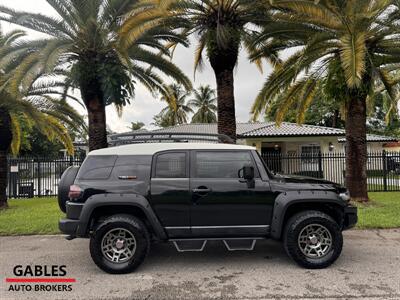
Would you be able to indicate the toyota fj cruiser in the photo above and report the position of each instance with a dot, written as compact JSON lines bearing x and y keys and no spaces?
{"x":123,"y":198}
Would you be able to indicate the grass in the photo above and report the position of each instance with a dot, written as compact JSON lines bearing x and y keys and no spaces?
{"x":30,"y":216}
{"x":383,"y":211}
{"x":41,"y":215}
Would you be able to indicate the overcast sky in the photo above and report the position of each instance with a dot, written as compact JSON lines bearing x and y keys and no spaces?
{"x":248,"y":80}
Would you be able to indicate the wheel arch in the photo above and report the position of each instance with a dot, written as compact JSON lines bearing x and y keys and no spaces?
{"x":103,"y":205}
{"x":289,"y":203}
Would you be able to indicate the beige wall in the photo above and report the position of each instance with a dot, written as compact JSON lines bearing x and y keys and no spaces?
{"x":392,"y":149}
{"x":294,"y":143}
{"x":333,"y":168}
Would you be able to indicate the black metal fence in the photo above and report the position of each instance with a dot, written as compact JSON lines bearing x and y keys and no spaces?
{"x":39,"y":177}
{"x":29,"y":176}
{"x":383,"y":168}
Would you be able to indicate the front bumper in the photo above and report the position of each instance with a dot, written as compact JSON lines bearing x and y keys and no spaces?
{"x":350,"y":217}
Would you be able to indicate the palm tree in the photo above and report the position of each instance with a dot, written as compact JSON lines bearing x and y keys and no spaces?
{"x":204,"y":102}
{"x":221,"y":27}
{"x":28,"y":103}
{"x":352,"y":43}
{"x":176,"y":111}
{"x":85,"y":43}
{"x":136,"y":126}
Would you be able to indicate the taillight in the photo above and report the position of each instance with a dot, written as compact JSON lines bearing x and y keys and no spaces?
{"x":75,"y":192}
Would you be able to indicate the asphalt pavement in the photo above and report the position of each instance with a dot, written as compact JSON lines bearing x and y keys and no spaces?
{"x":369,"y":268}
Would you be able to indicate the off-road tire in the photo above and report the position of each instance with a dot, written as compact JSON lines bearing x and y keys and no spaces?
{"x":67,"y":179}
{"x":293,"y":228}
{"x":134,"y":226}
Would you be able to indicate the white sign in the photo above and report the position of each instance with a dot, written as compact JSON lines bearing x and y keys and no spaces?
{"x":14,"y":169}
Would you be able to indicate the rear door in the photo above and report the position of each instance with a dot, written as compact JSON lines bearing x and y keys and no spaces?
{"x":223,"y":203}
{"x":170,"y":196}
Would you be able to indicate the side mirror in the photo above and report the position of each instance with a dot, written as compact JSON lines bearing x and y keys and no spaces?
{"x":248,"y":173}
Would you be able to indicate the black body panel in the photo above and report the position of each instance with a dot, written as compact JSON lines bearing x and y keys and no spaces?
{"x":82,"y":226}
{"x":230,"y":202}
{"x":169,"y":192}
{"x":286,"y":199}
{"x":227,"y":205}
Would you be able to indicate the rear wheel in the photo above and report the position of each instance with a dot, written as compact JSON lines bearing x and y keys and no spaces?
{"x":120,"y":244}
{"x":313,"y":239}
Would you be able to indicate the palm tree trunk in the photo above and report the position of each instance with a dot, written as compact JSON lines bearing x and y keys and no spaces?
{"x":226,"y":103}
{"x":356,"y":148}
{"x":335,"y":119}
{"x":97,"y":124}
{"x":5,"y":138}
{"x":94,"y":102}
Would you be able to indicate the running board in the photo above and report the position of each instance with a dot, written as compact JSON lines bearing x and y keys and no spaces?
{"x":240,"y":244}
{"x":190,"y":245}
{"x":231,"y":244}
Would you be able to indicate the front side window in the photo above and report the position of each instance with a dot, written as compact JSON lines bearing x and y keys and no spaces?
{"x":171,"y":165}
{"x":221,"y":164}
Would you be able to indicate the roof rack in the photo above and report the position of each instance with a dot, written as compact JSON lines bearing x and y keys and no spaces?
{"x":157,"y":137}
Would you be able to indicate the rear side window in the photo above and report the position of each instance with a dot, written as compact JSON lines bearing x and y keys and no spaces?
{"x":221,"y":164}
{"x":97,"y":167}
{"x":171,"y":165}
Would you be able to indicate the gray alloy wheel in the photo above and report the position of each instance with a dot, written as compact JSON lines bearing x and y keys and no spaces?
{"x":118,"y":245}
{"x":315,"y":241}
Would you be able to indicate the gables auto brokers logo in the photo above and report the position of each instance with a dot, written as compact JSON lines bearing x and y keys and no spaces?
{"x":40,"y":278}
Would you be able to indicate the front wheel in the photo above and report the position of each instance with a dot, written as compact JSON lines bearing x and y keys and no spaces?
{"x":313,"y":239}
{"x":119,"y":244}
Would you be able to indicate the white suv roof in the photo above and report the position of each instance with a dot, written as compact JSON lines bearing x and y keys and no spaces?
{"x":151,"y":148}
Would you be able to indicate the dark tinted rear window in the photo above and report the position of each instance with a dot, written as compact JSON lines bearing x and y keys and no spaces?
{"x":171,"y":165}
{"x":97,"y":167}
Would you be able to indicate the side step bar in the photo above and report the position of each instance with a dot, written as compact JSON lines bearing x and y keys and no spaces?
{"x":231,"y":244}
{"x":190,"y":245}
{"x":240,"y":244}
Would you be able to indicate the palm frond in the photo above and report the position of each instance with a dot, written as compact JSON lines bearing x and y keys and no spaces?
{"x":16,"y":134}
{"x":353,"y":56}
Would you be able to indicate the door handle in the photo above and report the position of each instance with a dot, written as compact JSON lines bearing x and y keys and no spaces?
{"x":201,"y":190}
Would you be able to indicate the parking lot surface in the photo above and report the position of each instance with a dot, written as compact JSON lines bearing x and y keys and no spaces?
{"x":369,"y":268}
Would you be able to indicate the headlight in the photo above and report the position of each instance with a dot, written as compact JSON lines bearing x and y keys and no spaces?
{"x":345,"y":196}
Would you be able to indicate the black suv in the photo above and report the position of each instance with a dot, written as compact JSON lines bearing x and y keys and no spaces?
{"x":124,"y":198}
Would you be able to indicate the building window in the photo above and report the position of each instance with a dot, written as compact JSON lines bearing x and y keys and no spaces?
{"x":309,"y":153}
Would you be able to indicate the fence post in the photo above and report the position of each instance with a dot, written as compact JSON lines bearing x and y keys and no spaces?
{"x":384,"y":170}
{"x":39,"y":179}
{"x":321,"y":175}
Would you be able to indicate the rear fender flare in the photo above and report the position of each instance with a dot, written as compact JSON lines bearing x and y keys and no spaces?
{"x":286,"y":199}
{"x":133,"y":200}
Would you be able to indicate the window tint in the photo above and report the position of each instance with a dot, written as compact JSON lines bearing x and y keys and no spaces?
{"x":171,"y":165}
{"x":221,"y":164}
{"x":97,"y":167}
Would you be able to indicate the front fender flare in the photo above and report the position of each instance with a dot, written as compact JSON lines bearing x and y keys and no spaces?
{"x":286,"y":199}
{"x":133,"y":200}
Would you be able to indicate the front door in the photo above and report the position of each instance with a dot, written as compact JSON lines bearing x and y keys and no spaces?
{"x":223,"y":203}
{"x":170,"y":195}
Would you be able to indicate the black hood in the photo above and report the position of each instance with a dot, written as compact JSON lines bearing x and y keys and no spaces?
{"x":307,"y":183}
{"x":303,"y":179}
